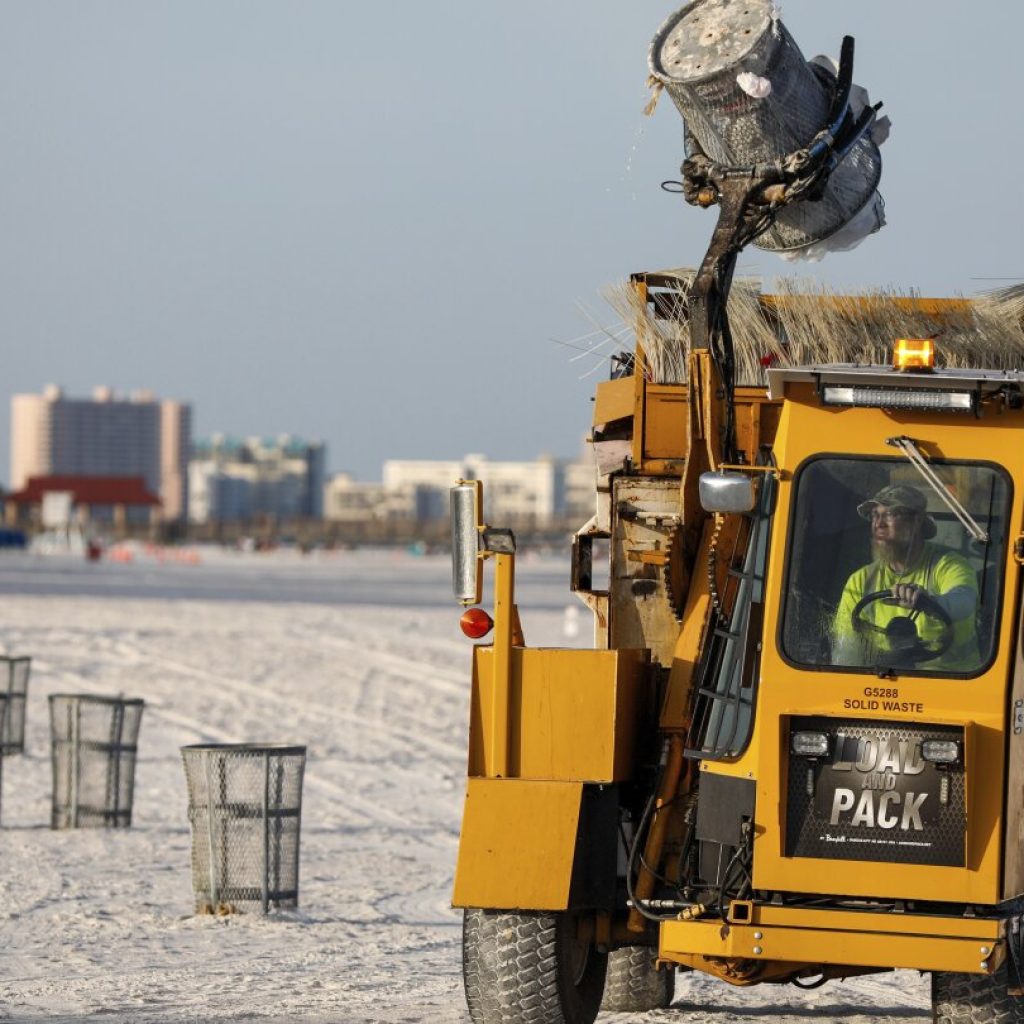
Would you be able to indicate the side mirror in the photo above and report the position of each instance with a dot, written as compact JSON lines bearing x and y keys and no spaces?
{"x":467,"y":518}
{"x":727,"y":492}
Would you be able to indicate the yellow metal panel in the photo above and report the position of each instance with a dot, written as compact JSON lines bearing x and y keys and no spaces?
{"x":639,"y":412}
{"x":665,"y":423}
{"x":676,"y":706}
{"x":807,"y":428}
{"x":663,"y":413}
{"x":573,"y":714}
{"x":517,"y":844}
{"x":823,"y":946}
{"x":757,"y":420}
{"x":1013,"y":846}
{"x":860,"y":921}
{"x":614,"y":400}
{"x":501,"y":674}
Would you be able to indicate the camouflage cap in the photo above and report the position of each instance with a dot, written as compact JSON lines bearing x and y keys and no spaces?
{"x":900,"y":496}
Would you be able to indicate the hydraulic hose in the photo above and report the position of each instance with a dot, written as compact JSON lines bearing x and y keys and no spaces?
{"x":667,"y":789}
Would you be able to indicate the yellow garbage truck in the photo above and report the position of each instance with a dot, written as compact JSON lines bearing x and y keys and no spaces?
{"x":795,"y":751}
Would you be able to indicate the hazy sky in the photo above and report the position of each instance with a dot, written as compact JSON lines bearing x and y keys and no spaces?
{"x":372,"y":223}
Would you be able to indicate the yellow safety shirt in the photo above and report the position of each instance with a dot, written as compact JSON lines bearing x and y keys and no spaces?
{"x":938,"y":571}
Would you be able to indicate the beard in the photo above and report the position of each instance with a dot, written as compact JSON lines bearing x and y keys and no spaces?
{"x":890,"y":550}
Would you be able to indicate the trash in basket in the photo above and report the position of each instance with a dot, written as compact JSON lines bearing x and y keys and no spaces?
{"x":14,"y":682}
{"x":94,"y":743}
{"x":244,"y":806}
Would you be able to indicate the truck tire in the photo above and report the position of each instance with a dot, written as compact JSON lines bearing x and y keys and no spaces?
{"x":974,"y":999}
{"x":529,"y":968}
{"x":633,"y":985}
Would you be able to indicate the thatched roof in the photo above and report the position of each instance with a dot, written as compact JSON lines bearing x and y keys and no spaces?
{"x":805,"y":323}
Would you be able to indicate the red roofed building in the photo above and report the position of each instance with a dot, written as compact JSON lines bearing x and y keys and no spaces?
{"x":110,"y":500}
{"x":108,"y":435}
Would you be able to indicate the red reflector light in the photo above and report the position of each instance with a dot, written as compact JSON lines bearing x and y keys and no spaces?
{"x":475,"y":623}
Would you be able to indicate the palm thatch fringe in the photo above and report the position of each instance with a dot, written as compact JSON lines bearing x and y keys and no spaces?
{"x":807,"y":323}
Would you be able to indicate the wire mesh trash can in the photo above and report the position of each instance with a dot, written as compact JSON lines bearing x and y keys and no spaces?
{"x":3,"y":717}
{"x":15,"y":672}
{"x":245,"y":809}
{"x":94,"y":743}
{"x":702,"y":54}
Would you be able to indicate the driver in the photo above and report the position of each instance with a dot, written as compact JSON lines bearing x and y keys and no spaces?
{"x":930,"y":581}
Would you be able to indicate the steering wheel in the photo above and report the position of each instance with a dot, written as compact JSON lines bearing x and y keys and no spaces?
{"x":900,"y":632}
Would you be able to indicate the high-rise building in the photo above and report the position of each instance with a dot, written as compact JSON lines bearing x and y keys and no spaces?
{"x":175,"y":451}
{"x":106,"y":435}
{"x":239,"y":481}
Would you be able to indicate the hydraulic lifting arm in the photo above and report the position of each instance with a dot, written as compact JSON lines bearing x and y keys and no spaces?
{"x":749,"y":199}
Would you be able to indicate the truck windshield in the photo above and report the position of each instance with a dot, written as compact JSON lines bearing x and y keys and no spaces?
{"x":882,"y":575}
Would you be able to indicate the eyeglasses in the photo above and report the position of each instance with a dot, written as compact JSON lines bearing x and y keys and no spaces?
{"x":890,"y":515}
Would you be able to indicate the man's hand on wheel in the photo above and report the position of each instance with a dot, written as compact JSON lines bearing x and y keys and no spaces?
{"x":911,"y":595}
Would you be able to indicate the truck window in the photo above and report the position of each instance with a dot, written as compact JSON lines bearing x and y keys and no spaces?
{"x":882,"y":574}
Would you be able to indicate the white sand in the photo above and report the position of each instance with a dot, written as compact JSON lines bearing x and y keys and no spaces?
{"x":356,"y":655}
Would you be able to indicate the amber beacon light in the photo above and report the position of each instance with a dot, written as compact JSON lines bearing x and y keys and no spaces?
{"x":476,"y":623}
{"x":914,"y":354}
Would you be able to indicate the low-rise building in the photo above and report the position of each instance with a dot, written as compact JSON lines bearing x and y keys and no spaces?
{"x":116,"y":502}
{"x":353,"y":501}
{"x":580,"y":488}
{"x":534,"y":494}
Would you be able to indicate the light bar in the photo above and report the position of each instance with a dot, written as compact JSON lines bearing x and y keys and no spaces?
{"x":941,"y":751}
{"x":898,"y":398}
{"x":809,"y":744}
